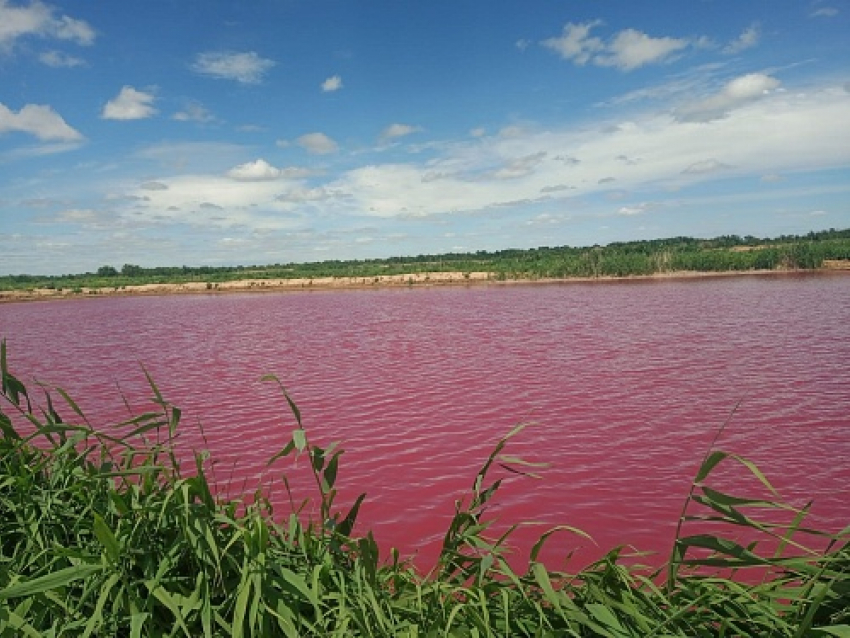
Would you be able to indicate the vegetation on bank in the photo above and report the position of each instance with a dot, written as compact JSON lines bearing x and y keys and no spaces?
{"x":676,"y":254}
{"x":104,"y":533}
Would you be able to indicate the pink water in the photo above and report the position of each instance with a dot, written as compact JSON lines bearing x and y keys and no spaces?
{"x":627,"y":384}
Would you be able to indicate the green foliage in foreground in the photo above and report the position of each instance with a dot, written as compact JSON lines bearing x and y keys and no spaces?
{"x":106,"y":535}
{"x":619,"y":259}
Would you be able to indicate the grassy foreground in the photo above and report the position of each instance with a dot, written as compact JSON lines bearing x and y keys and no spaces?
{"x":105,"y":534}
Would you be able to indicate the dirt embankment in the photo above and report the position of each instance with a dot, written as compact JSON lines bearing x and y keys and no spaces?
{"x":836,"y":264}
{"x":257,"y":285}
{"x":382,"y":281}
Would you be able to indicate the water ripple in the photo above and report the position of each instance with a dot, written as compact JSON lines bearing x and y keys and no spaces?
{"x":628,"y":384}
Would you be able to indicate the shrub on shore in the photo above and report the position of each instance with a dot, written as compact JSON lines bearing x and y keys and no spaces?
{"x":103,"y":532}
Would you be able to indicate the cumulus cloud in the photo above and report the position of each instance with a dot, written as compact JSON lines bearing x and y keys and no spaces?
{"x":59,"y":60}
{"x":129,"y":104}
{"x":556,"y":188}
{"x":519,"y":167}
{"x":511,"y":131}
{"x":738,"y":92}
{"x":632,"y":210}
{"x":705,"y":166}
{"x":748,"y":39}
{"x":632,"y":49}
{"x":317,"y":144}
{"x":627,"y":50}
{"x":39,"y":120}
{"x":77,"y":215}
{"x":154,"y":186}
{"x":247,"y":68}
{"x":568,"y":160}
{"x":37,"y":19}
{"x":575,"y":42}
{"x":299,"y":195}
{"x":257,"y":171}
{"x":395,"y":131}
{"x":193,"y":112}
{"x":825,"y":12}
{"x":333,"y":83}
{"x":507,"y":177}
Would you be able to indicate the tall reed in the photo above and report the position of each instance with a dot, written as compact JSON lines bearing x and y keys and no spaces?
{"x":105,"y":534}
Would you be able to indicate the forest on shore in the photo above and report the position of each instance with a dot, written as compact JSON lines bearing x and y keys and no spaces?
{"x":727,"y":253}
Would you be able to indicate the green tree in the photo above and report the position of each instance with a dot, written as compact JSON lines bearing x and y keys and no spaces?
{"x":129,"y":270}
{"x":107,"y":271}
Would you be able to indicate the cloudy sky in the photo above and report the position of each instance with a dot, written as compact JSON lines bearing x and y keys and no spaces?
{"x":228,"y":132}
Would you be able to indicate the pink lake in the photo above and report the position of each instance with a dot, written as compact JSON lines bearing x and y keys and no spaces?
{"x":627,"y":384}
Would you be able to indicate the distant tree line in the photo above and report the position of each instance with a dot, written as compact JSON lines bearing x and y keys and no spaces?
{"x":618,"y":259}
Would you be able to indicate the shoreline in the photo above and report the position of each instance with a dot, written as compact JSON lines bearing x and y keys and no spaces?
{"x":366,"y":283}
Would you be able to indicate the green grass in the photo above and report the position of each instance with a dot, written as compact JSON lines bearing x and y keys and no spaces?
{"x":105,"y":534}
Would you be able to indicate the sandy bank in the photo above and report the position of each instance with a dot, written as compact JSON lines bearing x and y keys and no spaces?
{"x":253,"y":285}
{"x":383,"y":281}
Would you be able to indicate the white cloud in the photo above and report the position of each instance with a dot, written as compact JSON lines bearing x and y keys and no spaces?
{"x":627,"y":50}
{"x":556,"y":188}
{"x":261,"y":171}
{"x":736,"y":93}
{"x":748,"y":39}
{"x":192,"y":157}
{"x":77,"y":215}
{"x":333,"y":83}
{"x":317,"y":144}
{"x":129,"y":104}
{"x":154,"y":186}
{"x":478,"y":132}
{"x":58,"y":60}
{"x":299,"y":195}
{"x":247,"y":68}
{"x":78,"y":31}
{"x":257,"y":171}
{"x":575,"y":43}
{"x":705,"y":166}
{"x":38,"y":19}
{"x":632,"y":49}
{"x":510,"y":131}
{"x":629,"y":211}
{"x":825,"y":12}
{"x":39,"y":120}
{"x":537,"y":174}
{"x":519,"y":167}
{"x":753,"y":140}
{"x":193,"y":113}
{"x":218,"y":201}
{"x":395,"y":131}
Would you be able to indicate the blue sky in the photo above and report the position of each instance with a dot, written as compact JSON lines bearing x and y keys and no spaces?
{"x":217,"y":133}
